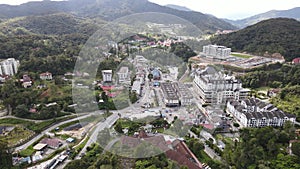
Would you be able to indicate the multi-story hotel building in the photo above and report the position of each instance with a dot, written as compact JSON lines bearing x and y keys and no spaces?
{"x":217,"y":88}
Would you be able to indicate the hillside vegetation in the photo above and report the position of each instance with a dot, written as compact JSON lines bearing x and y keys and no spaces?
{"x":110,"y":10}
{"x":279,"y":35}
{"x":46,"y":43}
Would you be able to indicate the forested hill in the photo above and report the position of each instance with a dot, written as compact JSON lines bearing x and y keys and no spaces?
{"x":46,"y":43}
{"x":52,"y":24}
{"x":110,"y":10}
{"x":280,"y":35}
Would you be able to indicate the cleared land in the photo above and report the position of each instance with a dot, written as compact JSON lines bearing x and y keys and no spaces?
{"x":241,"y":55}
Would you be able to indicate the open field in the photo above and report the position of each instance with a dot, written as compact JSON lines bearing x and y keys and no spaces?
{"x":18,"y":134}
{"x":241,"y":55}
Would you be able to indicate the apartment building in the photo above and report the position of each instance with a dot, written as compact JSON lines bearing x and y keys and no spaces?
{"x":217,"y":88}
{"x":216,"y":52}
{"x":9,"y":66}
{"x":253,"y":112}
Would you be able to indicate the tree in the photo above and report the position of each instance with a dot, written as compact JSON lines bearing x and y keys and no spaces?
{"x":104,"y":137}
{"x":133,"y":97}
{"x":104,"y":97}
{"x":236,"y":125}
{"x":285,"y":161}
{"x":150,"y":76}
{"x":77,"y":164}
{"x":5,"y":156}
{"x":21,"y":111}
{"x":296,"y":148}
{"x":118,"y":127}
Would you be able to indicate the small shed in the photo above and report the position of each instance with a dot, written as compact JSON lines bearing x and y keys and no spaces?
{"x":70,"y":140}
{"x":40,"y":146}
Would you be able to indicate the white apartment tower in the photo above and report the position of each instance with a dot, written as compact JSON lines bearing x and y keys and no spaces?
{"x":216,"y":52}
{"x":9,"y":67}
{"x":107,"y":75}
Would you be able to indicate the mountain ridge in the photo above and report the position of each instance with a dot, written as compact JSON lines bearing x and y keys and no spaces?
{"x":293,"y":13}
{"x":181,"y":8}
{"x":276,"y":35}
{"x":110,"y":10}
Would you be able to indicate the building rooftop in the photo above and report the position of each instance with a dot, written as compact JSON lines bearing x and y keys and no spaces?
{"x":46,"y":74}
{"x":268,"y":111}
{"x":183,"y":90}
{"x":39,"y":146}
{"x":106,"y":71}
{"x":52,"y":142}
{"x":169,"y":91}
{"x":123,"y":70}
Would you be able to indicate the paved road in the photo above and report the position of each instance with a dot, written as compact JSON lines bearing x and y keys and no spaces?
{"x":99,"y":127}
{"x":31,"y":120}
{"x":111,"y":143}
{"x":24,"y":146}
{"x":13,"y":117}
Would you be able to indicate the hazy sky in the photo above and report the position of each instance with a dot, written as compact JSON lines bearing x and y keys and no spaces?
{"x":232,"y":9}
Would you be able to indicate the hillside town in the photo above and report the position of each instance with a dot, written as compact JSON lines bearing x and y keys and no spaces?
{"x":162,"y":98}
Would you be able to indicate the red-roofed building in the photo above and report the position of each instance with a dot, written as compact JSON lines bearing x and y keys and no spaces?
{"x":176,"y":150}
{"x":208,"y":126}
{"x":46,"y":76}
{"x":183,"y":155}
{"x":33,"y":110}
{"x":106,"y":88}
{"x":296,"y":61}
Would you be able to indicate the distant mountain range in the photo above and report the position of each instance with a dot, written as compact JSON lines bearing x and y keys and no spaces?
{"x":111,"y":9}
{"x":291,"y":13}
{"x":181,"y":8}
{"x":279,"y":35}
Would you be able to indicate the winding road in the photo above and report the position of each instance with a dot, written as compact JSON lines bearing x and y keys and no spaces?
{"x":27,"y":144}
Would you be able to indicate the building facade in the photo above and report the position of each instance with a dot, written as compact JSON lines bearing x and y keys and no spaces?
{"x":216,"y":52}
{"x":107,"y":75}
{"x":123,"y":75}
{"x":217,"y":88}
{"x":184,"y":94}
{"x":9,"y":67}
{"x":253,"y":112}
{"x":170,"y":97}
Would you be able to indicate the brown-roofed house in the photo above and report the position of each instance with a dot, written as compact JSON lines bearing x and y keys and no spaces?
{"x":52,"y":142}
{"x":179,"y":153}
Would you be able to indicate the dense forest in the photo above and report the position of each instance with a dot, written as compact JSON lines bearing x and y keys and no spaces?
{"x":279,"y":35}
{"x":288,"y":100}
{"x":263,"y":148}
{"x":45,"y":43}
{"x":274,"y":76}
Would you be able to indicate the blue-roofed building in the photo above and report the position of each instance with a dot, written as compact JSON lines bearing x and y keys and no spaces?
{"x":155,"y":84}
{"x":70,"y":140}
{"x":156,"y":74}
